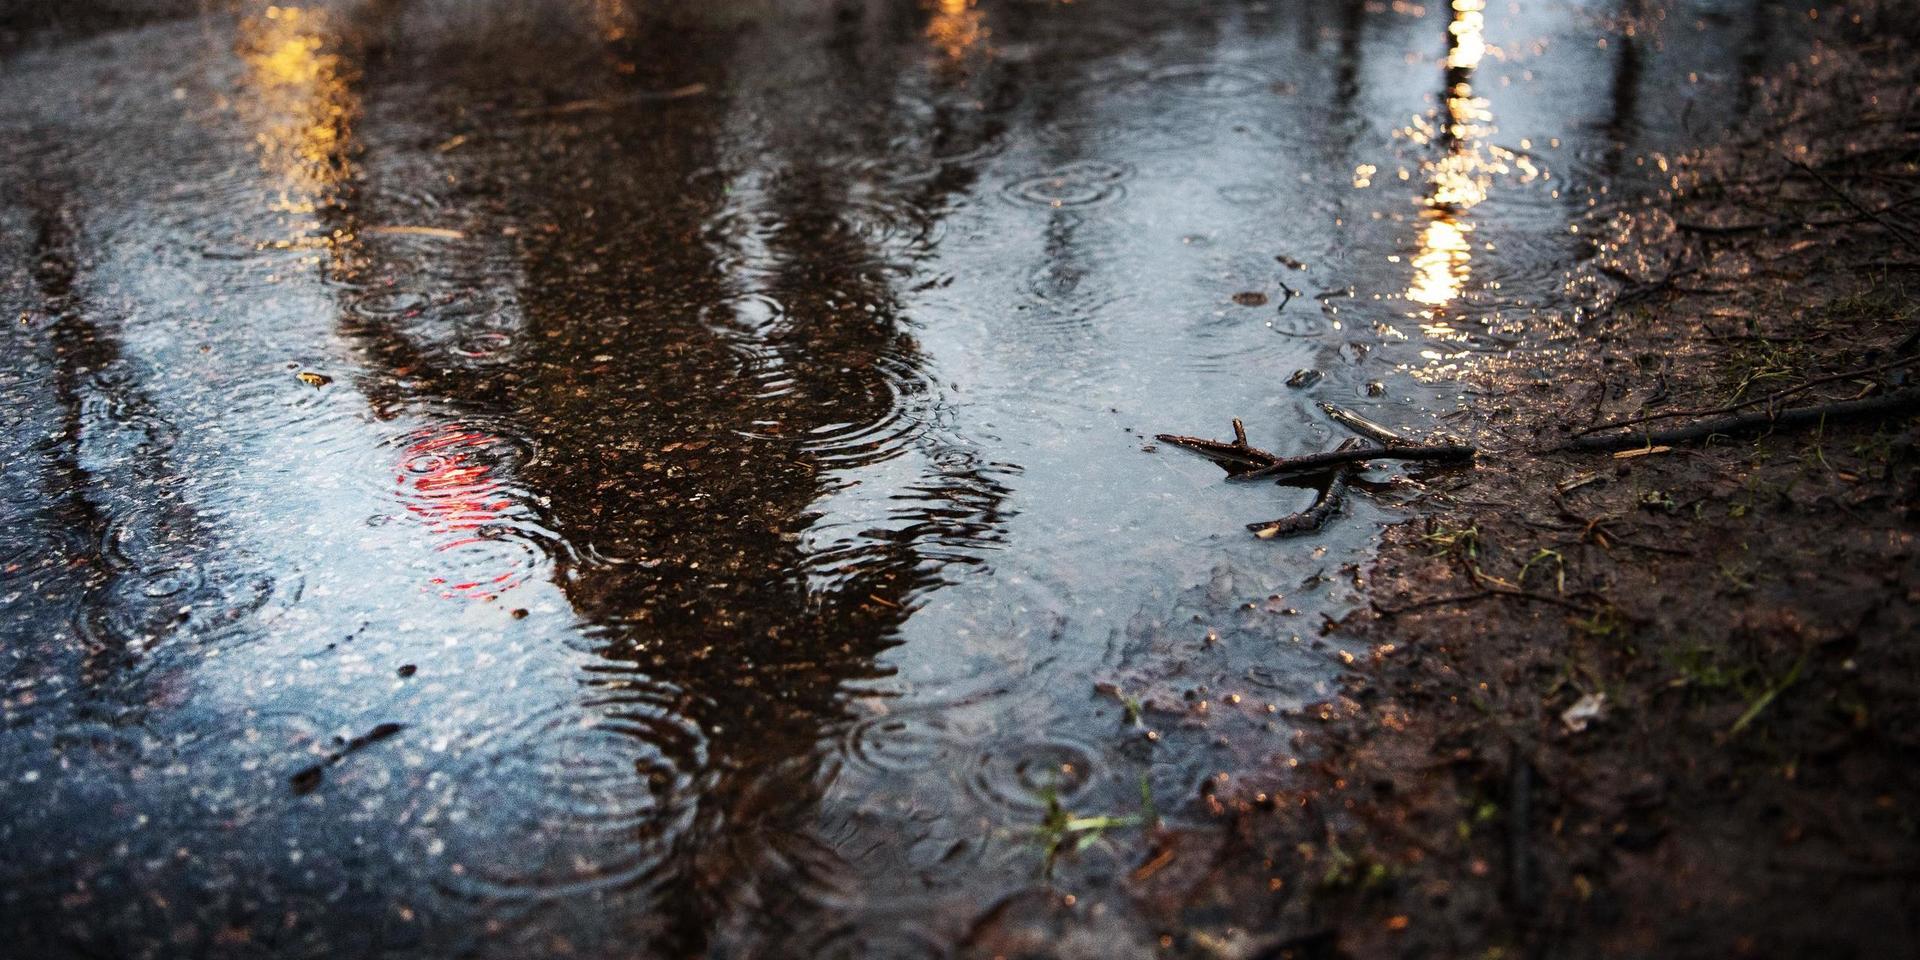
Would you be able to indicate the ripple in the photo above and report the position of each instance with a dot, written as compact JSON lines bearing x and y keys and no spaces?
{"x":31,"y":544}
{"x":456,"y":475}
{"x":485,"y":345}
{"x":1236,"y":341}
{"x":277,"y":397}
{"x":881,"y":221}
{"x":880,"y":394}
{"x":851,"y":941}
{"x":575,"y":801}
{"x":385,"y":304}
{"x":1081,"y":183}
{"x":138,"y":533}
{"x":118,"y":423}
{"x":1208,"y":81}
{"x":487,"y":561}
{"x":885,"y":746}
{"x":1070,"y":289}
{"x":749,"y":323}
{"x":459,"y":482}
{"x":1017,"y":776}
{"x":173,"y":601}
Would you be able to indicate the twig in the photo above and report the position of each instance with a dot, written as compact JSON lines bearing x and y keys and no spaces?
{"x":1313,"y":518}
{"x":1899,"y":401}
{"x":1848,"y":199}
{"x":1236,"y":457}
{"x":1315,"y":462}
{"x":1483,"y":594}
{"x":1758,"y":401}
{"x":1364,"y":427}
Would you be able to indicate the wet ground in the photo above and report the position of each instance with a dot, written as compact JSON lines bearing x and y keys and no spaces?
{"x":578,"y":477}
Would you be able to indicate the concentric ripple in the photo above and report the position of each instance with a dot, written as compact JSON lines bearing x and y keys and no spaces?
{"x":1018,"y":776}
{"x":1081,"y":183}
{"x":879,"y":402}
{"x":182,"y":600}
{"x":119,"y":424}
{"x":886,"y":746}
{"x":459,"y":481}
{"x":573,"y":802}
{"x":749,"y":323}
{"x":1209,"y":81}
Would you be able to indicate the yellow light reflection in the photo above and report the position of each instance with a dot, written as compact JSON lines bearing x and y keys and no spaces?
{"x":1459,"y":179}
{"x":613,"y":19}
{"x":1441,"y":268}
{"x":1468,"y":33}
{"x":299,"y":92}
{"x":957,"y":28}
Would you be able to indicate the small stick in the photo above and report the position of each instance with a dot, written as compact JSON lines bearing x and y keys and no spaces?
{"x":1757,"y":401}
{"x":1899,"y":401}
{"x":1364,"y":427}
{"x":1323,"y":461}
{"x":1848,"y":199}
{"x":1313,"y":518}
{"x":1236,"y":457}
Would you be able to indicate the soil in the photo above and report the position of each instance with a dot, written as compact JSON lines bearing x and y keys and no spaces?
{"x":1736,"y":615}
{"x":1656,"y":703}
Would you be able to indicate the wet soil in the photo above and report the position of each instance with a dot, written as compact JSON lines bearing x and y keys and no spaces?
{"x":1658,"y":702}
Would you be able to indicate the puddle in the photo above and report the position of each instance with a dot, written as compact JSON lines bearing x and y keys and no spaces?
{"x":714,"y":453}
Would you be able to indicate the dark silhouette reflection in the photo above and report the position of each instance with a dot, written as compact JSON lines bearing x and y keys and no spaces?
{"x":145,"y":575}
{"x":706,"y":343}
{"x":1624,"y":95}
{"x":79,"y":350}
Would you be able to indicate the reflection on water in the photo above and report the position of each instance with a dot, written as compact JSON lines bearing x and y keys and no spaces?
{"x":600,"y":478}
{"x":299,"y":90}
{"x":1461,"y":176}
{"x":957,"y":27}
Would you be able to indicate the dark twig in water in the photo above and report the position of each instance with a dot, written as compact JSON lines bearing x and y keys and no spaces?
{"x":1236,"y":457}
{"x":1900,"y":401}
{"x":1769,"y":399}
{"x":1364,"y":427}
{"x":1318,"y":462}
{"x":1243,"y":461}
{"x":308,"y":779}
{"x":1331,"y":499}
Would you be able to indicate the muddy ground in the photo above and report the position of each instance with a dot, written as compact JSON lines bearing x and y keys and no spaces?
{"x":1658,"y":702}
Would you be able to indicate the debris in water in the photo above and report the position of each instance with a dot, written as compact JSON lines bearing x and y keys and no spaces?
{"x":308,"y":779}
{"x":441,"y":233}
{"x":314,"y":380}
{"x":1250,"y":298}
